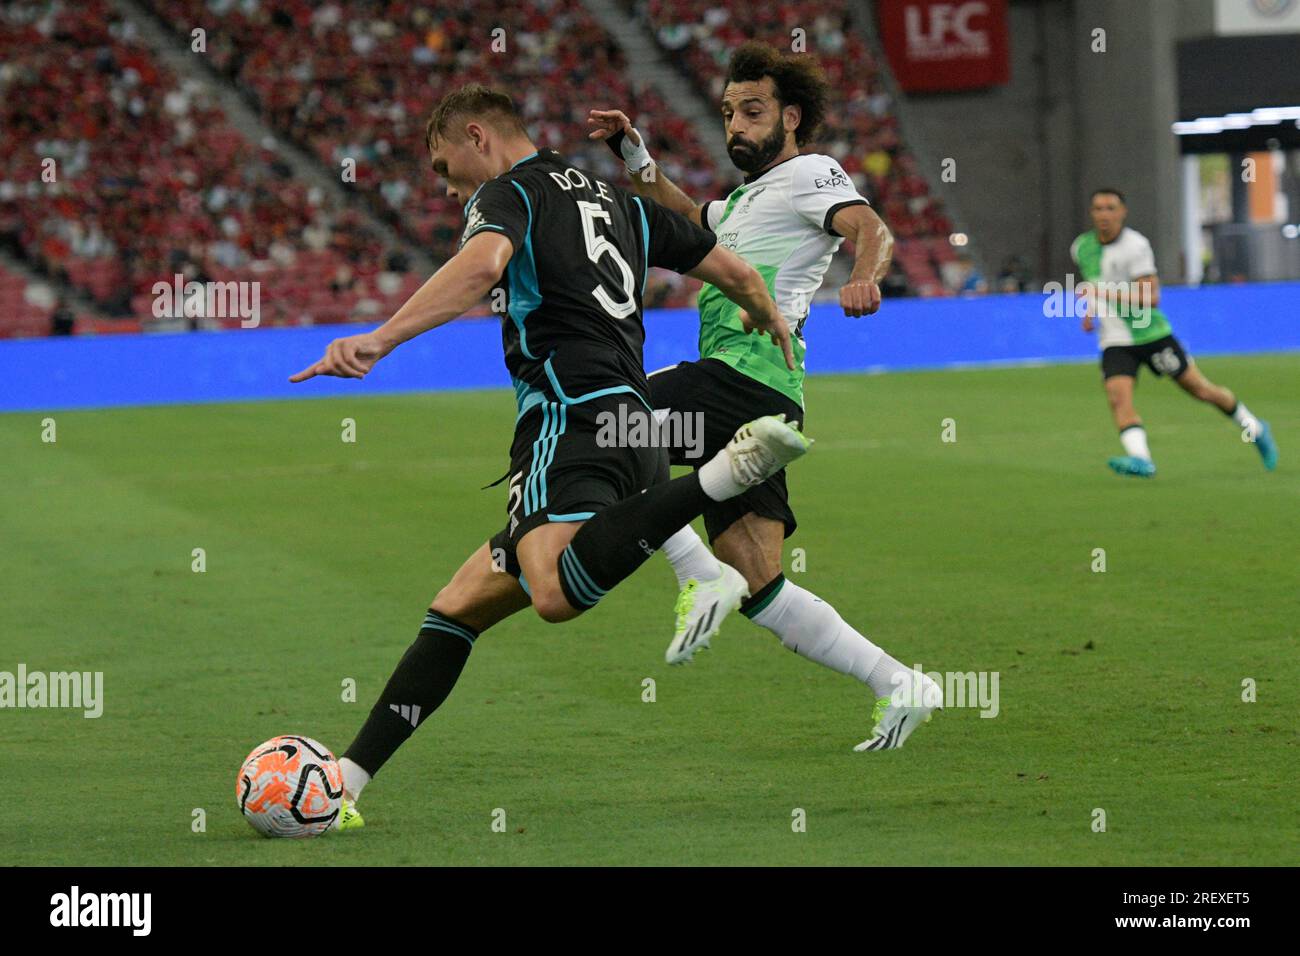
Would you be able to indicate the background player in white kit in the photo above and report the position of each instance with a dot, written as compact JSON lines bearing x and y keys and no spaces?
{"x":1119,"y":263}
{"x":786,"y":220}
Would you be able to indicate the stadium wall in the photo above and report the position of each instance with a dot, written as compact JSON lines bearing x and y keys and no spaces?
{"x":42,"y":375}
{"x":1070,"y":119}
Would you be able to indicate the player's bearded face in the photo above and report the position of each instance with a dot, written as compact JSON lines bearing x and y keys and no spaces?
{"x":751,"y":155}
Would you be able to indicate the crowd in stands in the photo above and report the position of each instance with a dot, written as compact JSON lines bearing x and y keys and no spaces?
{"x":32,"y":308}
{"x":356,"y":82}
{"x":116,"y":174}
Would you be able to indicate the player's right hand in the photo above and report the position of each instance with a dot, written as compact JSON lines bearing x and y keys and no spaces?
{"x":859,"y":297}
{"x":605,"y":123}
{"x":772,"y":323}
{"x":350,"y":357}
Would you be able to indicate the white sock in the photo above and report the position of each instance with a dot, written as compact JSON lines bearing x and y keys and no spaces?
{"x":1242,"y":416}
{"x":813,"y":629}
{"x":1134,"y":439}
{"x":690,"y":557}
{"x":716,"y":478}
{"x":354,"y":779}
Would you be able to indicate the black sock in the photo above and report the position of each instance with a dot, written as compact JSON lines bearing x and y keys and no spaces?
{"x":424,"y":677}
{"x":618,"y":539}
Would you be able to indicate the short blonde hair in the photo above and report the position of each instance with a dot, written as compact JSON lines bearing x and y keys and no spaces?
{"x":472,"y":100}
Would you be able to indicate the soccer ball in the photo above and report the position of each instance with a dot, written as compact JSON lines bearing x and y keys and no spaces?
{"x":290,"y":787}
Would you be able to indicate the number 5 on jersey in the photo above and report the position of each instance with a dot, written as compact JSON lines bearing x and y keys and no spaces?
{"x":597,"y":246}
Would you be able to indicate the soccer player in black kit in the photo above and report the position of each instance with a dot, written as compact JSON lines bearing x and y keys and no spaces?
{"x":571,"y":253}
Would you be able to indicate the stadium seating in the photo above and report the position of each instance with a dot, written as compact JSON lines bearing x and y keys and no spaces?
{"x":359,"y":85}
{"x":27,"y":310}
{"x":149,"y":179}
{"x":19,"y":316}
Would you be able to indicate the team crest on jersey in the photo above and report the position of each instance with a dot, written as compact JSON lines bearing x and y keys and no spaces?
{"x":835,"y":179}
{"x":749,"y":200}
{"x":472,"y":222}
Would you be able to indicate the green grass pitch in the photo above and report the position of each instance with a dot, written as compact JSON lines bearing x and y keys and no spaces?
{"x":1119,"y":690}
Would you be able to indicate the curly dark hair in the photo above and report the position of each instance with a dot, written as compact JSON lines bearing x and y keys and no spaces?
{"x":798,"y":79}
{"x":472,"y":99}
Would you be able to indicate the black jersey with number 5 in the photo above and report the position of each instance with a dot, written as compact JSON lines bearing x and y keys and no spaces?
{"x":573,"y":287}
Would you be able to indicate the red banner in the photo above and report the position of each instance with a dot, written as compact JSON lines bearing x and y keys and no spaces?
{"x":936,"y":45}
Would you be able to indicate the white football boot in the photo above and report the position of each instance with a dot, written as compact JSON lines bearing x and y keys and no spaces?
{"x":895,"y":717}
{"x":763,"y":447}
{"x":701,"y":608}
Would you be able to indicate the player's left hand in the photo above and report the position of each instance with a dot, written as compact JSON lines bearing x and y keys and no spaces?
{"x":350,"y":357}
{"x":860,"y":297}
{"x":774,"y":325}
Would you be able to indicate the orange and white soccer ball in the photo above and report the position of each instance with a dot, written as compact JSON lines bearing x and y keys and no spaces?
{"x":290,"y":787}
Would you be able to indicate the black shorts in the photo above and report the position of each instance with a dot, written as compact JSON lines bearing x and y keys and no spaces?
{"x":560,"y":471}
{"x":1163,"y":356}
{"x":725,"y":399}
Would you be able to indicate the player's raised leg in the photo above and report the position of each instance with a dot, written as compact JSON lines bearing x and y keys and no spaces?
{"x":478,"y":596}
{"x":1255,"y":430}
{"x":1136,"y":460}
{"x":540,"y":553}
{"x":567,"y":579}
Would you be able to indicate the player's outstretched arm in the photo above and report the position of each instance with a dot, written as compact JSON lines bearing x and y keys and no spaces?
{"x":873,"y":247}
{"x":742,"y":284}
{"x":648,"y":179}
{"x":453,"y":290}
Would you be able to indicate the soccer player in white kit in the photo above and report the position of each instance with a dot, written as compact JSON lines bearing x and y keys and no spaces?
{"x":786,"y":220}
{"x":1123,"y":293}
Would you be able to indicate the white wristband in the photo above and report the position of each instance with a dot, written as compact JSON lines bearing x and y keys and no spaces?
{"x":635,"y":157}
